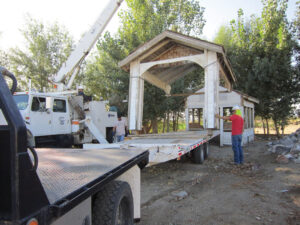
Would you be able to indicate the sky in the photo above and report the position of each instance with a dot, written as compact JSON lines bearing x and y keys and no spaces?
{"x":78,"y":16}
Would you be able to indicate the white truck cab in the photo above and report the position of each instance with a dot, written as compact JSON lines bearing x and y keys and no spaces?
{"x":52,"y":117}
{"x":39,"y":119}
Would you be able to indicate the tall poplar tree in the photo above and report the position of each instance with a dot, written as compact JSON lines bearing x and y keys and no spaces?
{"x":46,"y":48}
{"x":261,"y":52}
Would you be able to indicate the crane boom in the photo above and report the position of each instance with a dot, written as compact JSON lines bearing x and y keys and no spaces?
{"x":72,"y":65}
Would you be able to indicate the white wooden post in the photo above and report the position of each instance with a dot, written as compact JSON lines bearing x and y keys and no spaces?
{"x":136,"y":97}
{"x":221,"y":128}
{"x":187,"y":119}
{"x":211,"y":96}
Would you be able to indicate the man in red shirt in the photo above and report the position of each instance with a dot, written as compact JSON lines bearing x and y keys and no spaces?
{"x":236,"y":133}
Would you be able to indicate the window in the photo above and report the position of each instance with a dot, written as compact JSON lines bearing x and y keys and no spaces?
{"x":38,"y":104}
{"x":59,"y":105}
{"x":248,"y":118}
{"x":195,"y":118}
{"x":21,"y":101}
{"x":252,"y":118}
{"x":227,"y":111}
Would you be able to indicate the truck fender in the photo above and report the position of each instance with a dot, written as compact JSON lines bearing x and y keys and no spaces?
{"x":30,"y":139}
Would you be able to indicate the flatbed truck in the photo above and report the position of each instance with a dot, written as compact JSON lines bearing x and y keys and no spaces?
{"x":63,"y":186}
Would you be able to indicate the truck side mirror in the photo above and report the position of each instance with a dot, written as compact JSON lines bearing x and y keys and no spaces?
{"x":49,"y":103}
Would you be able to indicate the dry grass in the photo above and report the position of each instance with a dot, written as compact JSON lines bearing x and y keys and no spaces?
{"x":291,"y":128}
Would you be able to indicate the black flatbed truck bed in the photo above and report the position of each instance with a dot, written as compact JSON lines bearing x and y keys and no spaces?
{"x":70,"y":175}
{"x":63,"y":179}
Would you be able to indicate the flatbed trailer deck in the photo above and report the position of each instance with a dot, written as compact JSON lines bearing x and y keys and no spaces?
{"x":166,"y":146}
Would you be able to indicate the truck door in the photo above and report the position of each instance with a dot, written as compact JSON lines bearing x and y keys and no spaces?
{"x":61,"y":117}
{"x":40,"y":120}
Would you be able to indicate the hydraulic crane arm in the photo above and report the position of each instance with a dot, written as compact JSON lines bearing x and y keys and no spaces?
{"x":72,"y":65}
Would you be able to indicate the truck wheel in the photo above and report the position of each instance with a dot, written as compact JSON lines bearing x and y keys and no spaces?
{"x":65,"y":141}
{"x":113,"y":205}
{"x":206,"y":150}
{"x":198,"y":155}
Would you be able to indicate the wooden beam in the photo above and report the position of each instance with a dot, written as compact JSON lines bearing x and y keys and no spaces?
{"x":189,"y":94}
{"x":223,"y":73}
{"x":156,"y":82}
{"x":199,"y":59}
{"x":182,"y":74}
{"x":154,"y":49}
{"x":167,"y":76}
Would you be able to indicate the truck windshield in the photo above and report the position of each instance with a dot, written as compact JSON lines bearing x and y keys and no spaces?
{"x":21,"y":101}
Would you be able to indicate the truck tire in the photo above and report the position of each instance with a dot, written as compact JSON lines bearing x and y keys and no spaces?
{"x":65,"y":141}
{"x":113,"y":205}
{"x":206,"y":150}
{"x":198,"y":155}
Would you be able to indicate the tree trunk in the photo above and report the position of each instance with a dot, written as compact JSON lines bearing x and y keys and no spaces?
{"x":154,"y":126}
{"x":282,"y":129}
{"x":268,"y":129}
{"x":177,"y":119}
{"x":264,"y":126}
{"x":168,"y":122}
{"x":276,"y":128}
{"x":147,"y":127}
{"x":164,"y":124}
{"x":174,"y":121}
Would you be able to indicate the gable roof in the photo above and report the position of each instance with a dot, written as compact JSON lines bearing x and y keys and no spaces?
{"x":225,"y":90}
{"x":164,"y":41}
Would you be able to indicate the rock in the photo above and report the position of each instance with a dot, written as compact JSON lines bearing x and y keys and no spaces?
{"x":287,"y":141}
{"x":289,"y":156}
{"x":294,"y":138}
{"x":273,"y":150}
{"x":296,"y":148}
{"x":282,"y":159}
{"x":281,"y":149}
{"x":270,"y":143}
{"x":180,"y":195}
{"x":283,"y":191}
{"x":297,"y":160}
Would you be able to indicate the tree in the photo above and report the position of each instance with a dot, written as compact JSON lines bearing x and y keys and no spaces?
{"x":261,"y":51}
{"x":142,"y":21}
{"x":47,"y":47}
{"x":4,"y":58}
{"x":4,"y":61}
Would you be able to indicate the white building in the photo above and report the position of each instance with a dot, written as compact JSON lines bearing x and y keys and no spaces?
{"x":194,"y":113}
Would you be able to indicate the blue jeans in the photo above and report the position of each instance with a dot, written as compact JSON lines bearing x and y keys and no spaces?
{"x":120,"y":138}
{"x":237,"y":149}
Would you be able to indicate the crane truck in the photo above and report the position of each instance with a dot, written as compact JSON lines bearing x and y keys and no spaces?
{"x":63,"y":116}
{"x":63,"y":186}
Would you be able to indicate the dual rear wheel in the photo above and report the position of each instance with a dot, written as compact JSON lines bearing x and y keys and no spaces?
{"x":200,"y":153}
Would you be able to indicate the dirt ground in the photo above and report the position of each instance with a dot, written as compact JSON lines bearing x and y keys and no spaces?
{"x":260,"y":192}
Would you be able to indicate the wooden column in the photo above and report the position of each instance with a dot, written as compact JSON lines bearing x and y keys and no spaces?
{"x":187,"y":119}
{"x":136,"y":97}
{"x":221,"y":128}
{"x":211,"y":96}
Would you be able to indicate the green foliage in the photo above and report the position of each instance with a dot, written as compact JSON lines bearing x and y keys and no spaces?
{"x":47,"y":47}
{"x":4,"y":60}
{"x":142,"y":21}
{"x":261,"y":51}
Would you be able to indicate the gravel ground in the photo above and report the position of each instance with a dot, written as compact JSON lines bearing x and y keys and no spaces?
{"x":217,"y":192}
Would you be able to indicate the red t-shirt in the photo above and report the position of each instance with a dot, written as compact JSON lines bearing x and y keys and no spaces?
{"x":237,"y":124}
